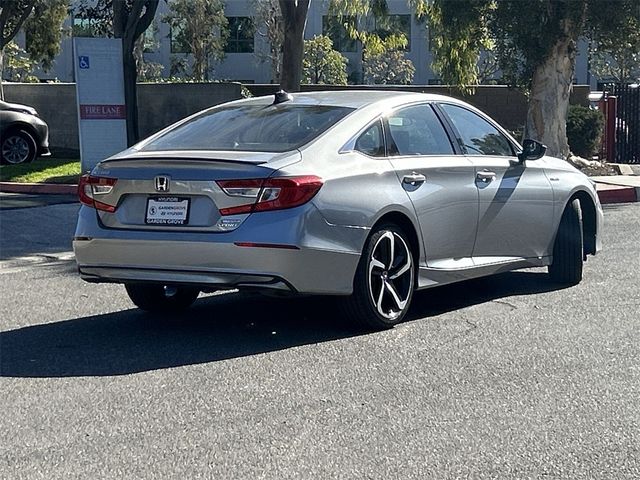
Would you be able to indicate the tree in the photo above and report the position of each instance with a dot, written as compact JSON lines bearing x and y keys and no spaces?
{"x":536,"y":44}
{"x":201,"y":27}
{"x":148,"y":71}
{"x":130,"y":20}
{"x":294,"y":13}
{"x":382,"y":37}
{"x":323,"y":64}
{"x":42,"y":21}
{"x":269,"y":25}
{"x":18,"y":67}
{"x":386,"y":66}
{"x":617,"y":57}
{"x":294,"y":19}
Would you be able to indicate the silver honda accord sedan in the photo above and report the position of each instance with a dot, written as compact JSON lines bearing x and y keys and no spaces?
{"x":365,"y":195}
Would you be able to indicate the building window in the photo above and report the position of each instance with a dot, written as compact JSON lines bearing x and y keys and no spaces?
{"x":393,"y":24}
{"x":240,"y":35}
{"x":84,"y":27}
{"x":334,"y":28}
{"x":178,"y":41}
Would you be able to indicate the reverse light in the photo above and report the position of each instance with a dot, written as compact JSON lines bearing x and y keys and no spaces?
{"x":270,"y":193}
{"x":91,"y":186}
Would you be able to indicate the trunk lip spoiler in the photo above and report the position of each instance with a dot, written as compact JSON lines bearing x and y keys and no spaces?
{"x":170,"y":158}
{"x":234,"y":156}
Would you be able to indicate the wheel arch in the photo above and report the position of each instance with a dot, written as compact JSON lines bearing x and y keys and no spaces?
{"x":408,"y":227}
{"x":589,"y":219}
{"x":16,"y":126}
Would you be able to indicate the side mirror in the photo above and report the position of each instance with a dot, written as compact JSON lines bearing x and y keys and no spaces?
{"x":531,"y":150}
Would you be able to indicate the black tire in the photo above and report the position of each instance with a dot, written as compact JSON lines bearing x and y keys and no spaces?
{"x":568,"y":249}
{"x":161,"y":298}
{"x":361,"y":308}
{"x":14,"y":143}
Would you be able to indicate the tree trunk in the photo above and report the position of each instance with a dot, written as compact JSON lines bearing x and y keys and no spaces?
{"x":294,"y":16}
{"x":549,"y":100}
{"x":130,"y":92}
{"x":130,"y":24}
{"x":1,"y":73}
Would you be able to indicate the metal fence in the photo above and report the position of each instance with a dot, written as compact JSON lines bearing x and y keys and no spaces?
{"x":627,"y":125}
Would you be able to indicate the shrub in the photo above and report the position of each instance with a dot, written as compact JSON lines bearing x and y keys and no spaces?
{"x":584,"y":130}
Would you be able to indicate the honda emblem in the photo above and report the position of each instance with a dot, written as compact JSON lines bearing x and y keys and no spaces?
{"x":162,"y":183}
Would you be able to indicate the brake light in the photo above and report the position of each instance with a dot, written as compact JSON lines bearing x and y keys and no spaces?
{"x":91,"y":186}
{"x":270,"y":193}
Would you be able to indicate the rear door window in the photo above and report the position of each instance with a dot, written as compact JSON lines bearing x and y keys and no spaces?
{"x":416,"y":130}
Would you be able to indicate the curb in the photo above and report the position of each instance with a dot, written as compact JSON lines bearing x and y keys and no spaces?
{"x":39,"y":188}
{"x":617,"y":194}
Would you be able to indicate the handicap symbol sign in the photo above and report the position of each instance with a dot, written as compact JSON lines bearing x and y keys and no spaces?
{"x":83,"y":60}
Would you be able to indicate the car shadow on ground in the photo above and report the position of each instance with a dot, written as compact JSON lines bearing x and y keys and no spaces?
{"x":218,"y":327}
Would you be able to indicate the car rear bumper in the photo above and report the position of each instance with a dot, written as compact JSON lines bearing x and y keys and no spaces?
{"x":283,"y":257}
{"x":216,"y":265}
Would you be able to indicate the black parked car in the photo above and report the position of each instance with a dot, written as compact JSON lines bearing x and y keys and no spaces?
{"x":23,"y":134}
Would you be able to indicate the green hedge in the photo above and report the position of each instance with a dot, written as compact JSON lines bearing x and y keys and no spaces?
{"x":584,"y":130}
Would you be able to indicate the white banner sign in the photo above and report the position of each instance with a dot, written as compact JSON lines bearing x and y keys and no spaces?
{"x":100,"y":97}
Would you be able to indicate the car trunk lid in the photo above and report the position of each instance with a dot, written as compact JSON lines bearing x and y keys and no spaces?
{"x":161,"y":191}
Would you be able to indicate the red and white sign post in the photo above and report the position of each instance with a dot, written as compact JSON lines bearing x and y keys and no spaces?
{"x":100,"y":97}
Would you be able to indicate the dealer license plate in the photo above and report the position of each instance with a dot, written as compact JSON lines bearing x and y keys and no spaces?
{"x":167,"y":211}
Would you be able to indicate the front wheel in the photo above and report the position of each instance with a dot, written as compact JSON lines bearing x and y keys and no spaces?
{"x":18,"y":147}
{"x":384,"y":281}
{"x":568,"y":250}
{"x":161,"y":298}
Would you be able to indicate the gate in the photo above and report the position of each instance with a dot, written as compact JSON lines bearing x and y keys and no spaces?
{"x":627,"y":125}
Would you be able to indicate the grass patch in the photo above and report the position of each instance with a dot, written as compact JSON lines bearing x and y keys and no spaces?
{"x":42,"y":170}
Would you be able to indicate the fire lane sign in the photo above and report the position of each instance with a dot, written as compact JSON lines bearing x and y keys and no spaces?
{"x":103,"y":112}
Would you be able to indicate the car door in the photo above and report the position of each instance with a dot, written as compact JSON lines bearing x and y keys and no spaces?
{"x":439,"y":182}
{"x":515,"y":215}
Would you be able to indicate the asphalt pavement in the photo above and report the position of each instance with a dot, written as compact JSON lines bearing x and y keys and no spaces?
{"x":504,"y":377}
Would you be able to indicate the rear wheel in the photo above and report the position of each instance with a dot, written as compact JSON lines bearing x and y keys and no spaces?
{"x":161,"y":298}
{"x":18,"y":147}
{"x":384,"y":282}
{"x":568,"y":250}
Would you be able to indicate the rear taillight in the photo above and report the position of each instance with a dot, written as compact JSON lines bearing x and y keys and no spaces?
{"x":91,"y":187}
{"x":270,"y":193}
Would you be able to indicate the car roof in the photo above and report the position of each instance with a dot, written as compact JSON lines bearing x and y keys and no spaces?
{"x":351,"y":98}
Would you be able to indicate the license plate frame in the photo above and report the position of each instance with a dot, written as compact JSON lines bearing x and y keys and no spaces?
{"x":170,"y":220}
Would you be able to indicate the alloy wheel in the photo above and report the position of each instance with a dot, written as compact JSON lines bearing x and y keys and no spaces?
{"x":15,"y":149}
{"x":390,"y":275}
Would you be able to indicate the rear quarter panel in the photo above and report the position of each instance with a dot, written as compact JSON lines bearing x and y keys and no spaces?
{"x":357,"y":191}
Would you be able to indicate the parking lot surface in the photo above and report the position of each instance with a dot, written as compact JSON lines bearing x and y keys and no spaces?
{"x":504,"y":377}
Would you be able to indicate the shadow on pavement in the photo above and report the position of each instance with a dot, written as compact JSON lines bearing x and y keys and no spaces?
{"x":218,"y":327}
{"x":34,"y":231}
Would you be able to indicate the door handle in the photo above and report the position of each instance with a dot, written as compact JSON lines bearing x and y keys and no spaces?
{"x":485,"y":176}
{"x":414,"y":179}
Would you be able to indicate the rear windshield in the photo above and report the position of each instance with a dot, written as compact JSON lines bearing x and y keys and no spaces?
{"x":255,"y":128}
